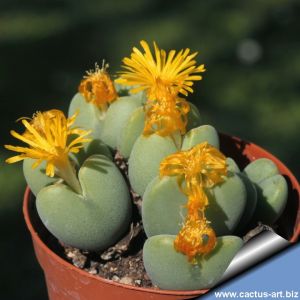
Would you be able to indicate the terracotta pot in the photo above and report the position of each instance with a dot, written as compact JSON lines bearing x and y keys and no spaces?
{"x":65,"y":281}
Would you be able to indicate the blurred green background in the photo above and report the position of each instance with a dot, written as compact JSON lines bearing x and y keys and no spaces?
{"x":251,"y":88}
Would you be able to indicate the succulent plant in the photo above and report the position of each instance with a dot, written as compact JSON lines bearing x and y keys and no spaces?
{"x":74,"y":218}
{"x":194,"y":199}
{"x":271,"y":187}
{"x":86,"y":204}
{"x":163,"y":196}
{"x":170,"y":269}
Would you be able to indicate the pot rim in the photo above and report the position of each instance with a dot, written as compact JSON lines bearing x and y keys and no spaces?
{"x":68,"y":265}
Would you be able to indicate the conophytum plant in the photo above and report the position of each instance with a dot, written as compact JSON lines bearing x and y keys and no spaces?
{"x":194,"y":198}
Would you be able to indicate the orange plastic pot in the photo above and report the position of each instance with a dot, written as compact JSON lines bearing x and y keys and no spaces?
{"x":66,"y":282}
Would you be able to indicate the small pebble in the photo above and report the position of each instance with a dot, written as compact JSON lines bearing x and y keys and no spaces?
{"x":126,"y":280}
{"x":115,"y":278}
{"x":93,"y":271}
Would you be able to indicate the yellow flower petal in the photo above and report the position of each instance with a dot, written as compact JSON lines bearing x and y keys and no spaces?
{"x":14,"y":159}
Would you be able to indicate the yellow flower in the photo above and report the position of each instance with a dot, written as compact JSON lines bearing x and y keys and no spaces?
{"x":174,"y":72}
{"x":166,"y":116}
{"x":201,"y":167}
{"x":50,"y":138}
{"x":98,"y":88}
